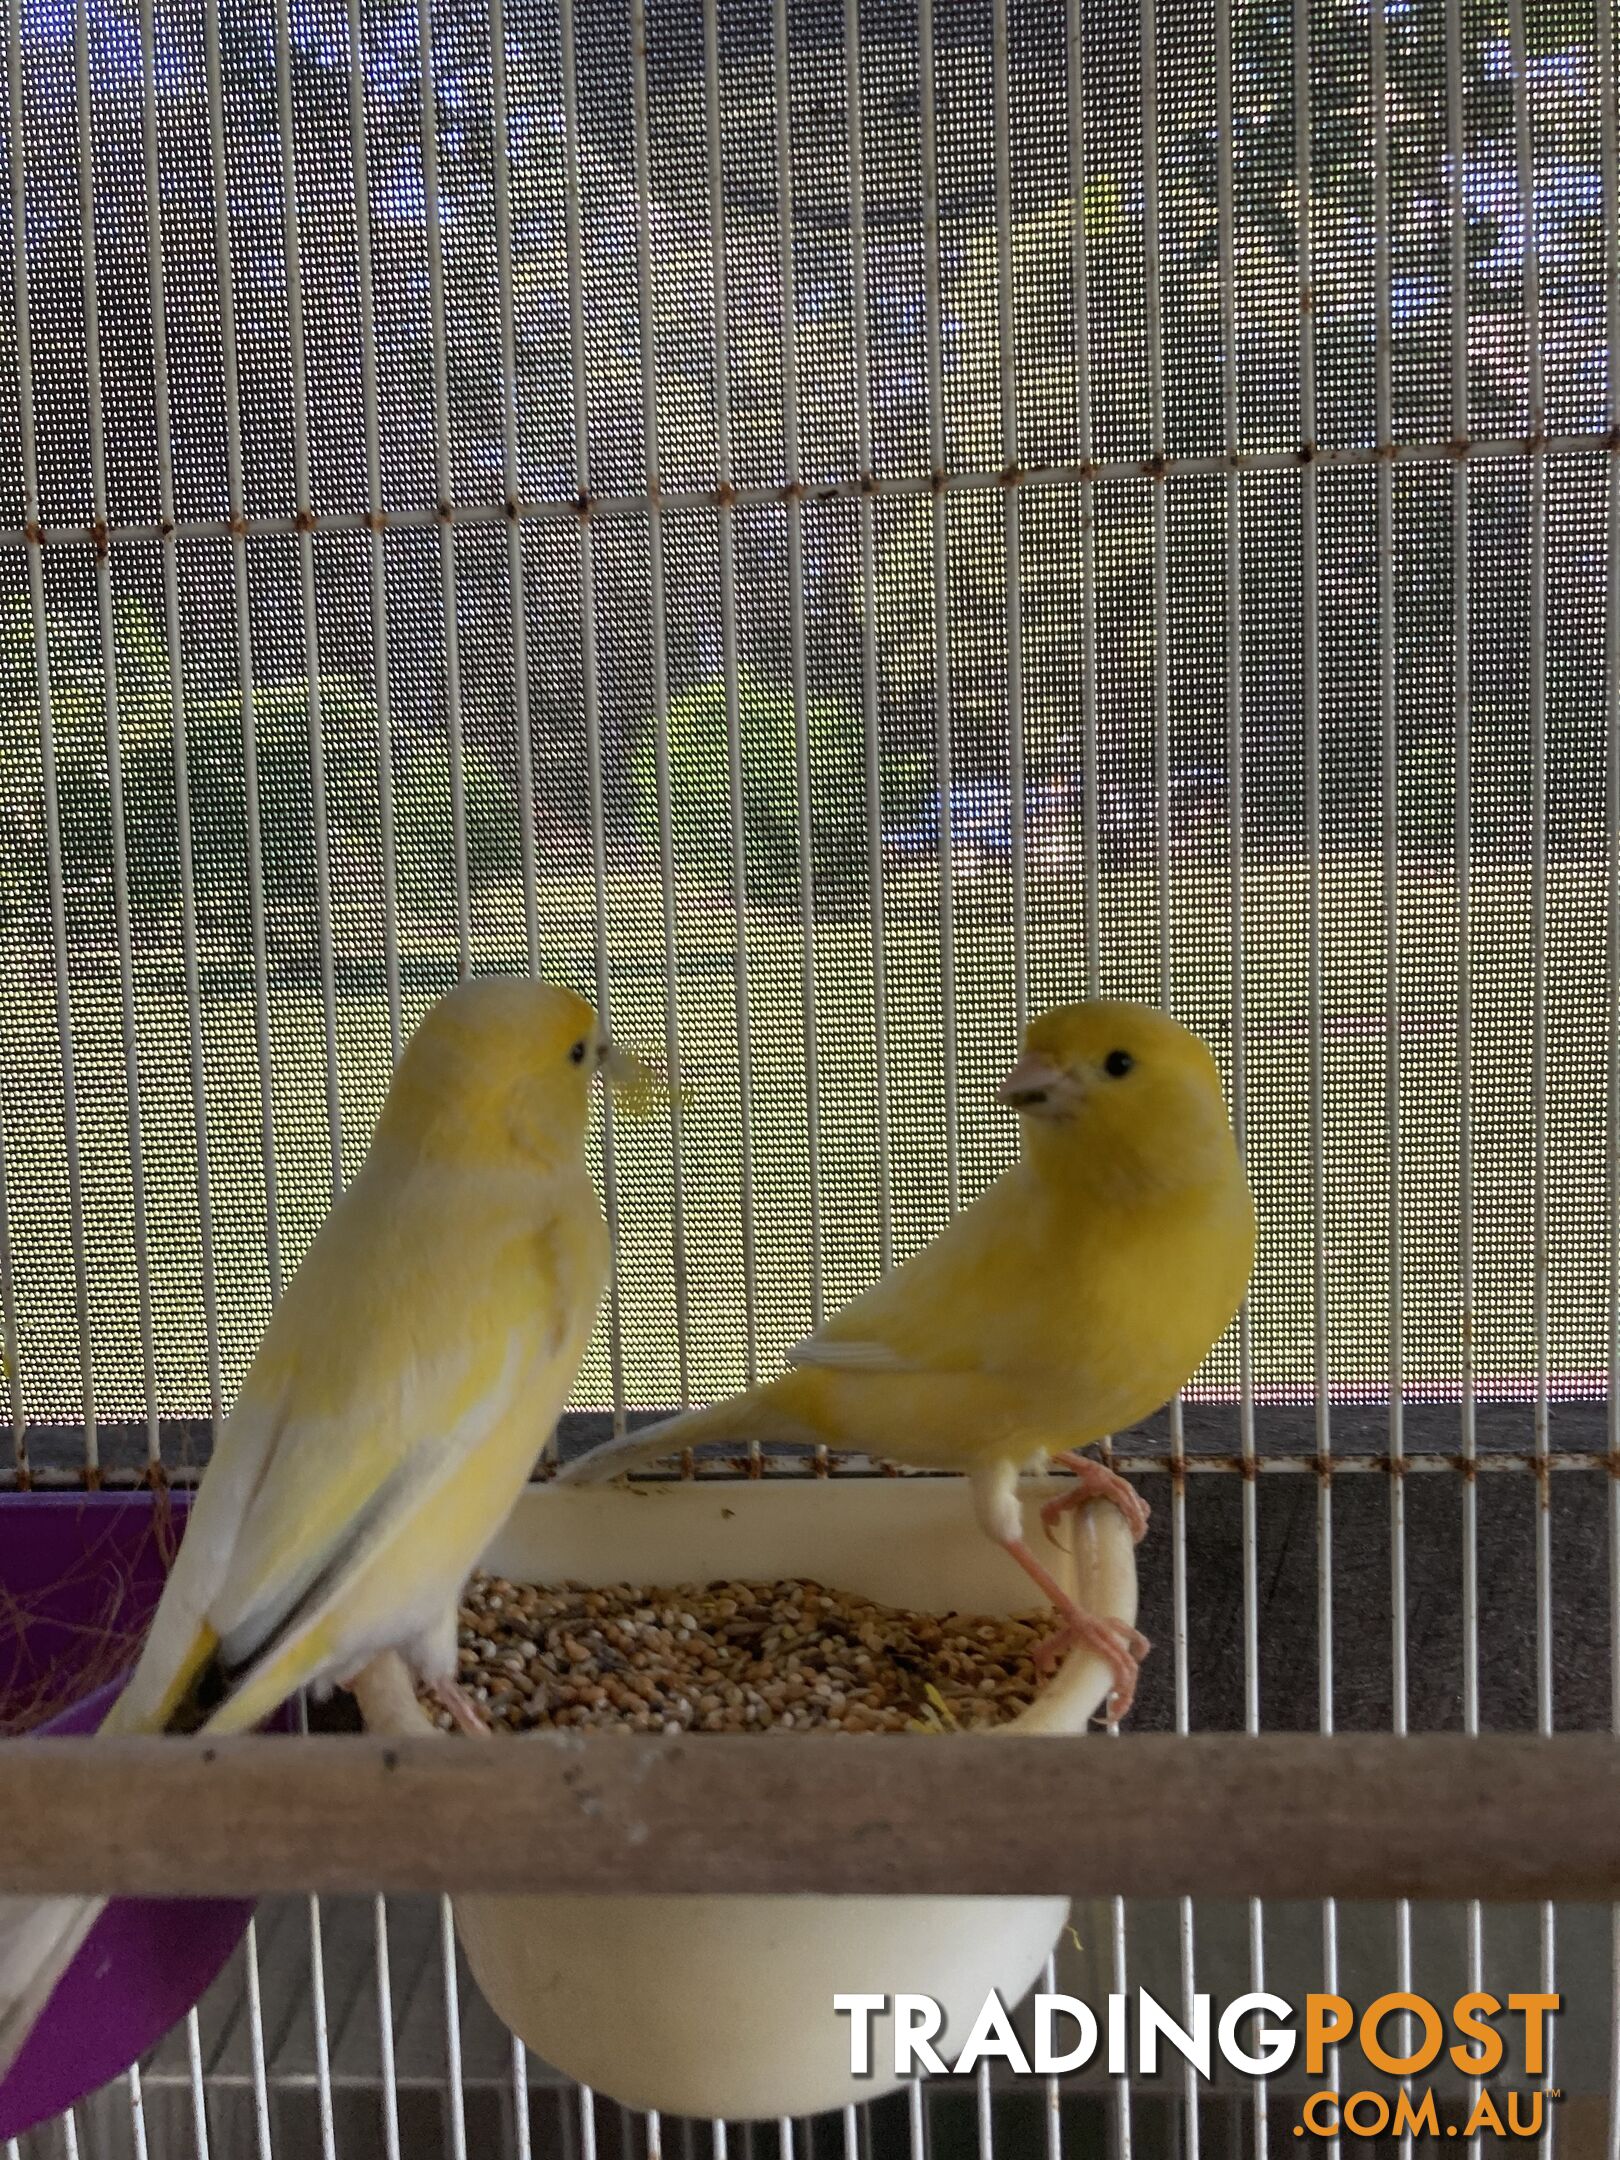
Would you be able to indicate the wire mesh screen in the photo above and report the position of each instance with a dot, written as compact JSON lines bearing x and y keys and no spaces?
{"x":830,"y":529}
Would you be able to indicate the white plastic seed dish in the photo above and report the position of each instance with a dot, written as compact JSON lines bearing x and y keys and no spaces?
{"x":723,"y":2006}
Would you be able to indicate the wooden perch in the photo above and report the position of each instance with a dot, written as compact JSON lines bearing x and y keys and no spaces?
{"x":1226,"y":1815}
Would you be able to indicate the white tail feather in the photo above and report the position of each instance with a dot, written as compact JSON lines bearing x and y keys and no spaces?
{"x":638,"y":1450}
{"x":39,"y":1939}
{"x":739,"y":1420}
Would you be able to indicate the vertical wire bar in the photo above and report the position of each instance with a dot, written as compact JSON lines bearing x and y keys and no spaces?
{"x":522,"y":2134}
{"x":318,"y":2020}
{"x":726,"y":519}
{"x":455,"y":2105}
{"x":1052,"y":2085}
{"x":590,"y":672}
{"x":1153,"y":329}
{"x":512,"y":483}
{"x":70,"y":2135}
{"x":852,"y":2132}
{"x":376,"y":552}
{"x":1384,"y":485}
{"x":294,"y":263}
{"x":236,"y":497}
{"x":256,"y":2048}
{"x":871,"y":705}
{"x":444,"y":475}
{"x":293,"y":240}
{"x":1462,"y":695}
{"x":199,"y":2095}
{"x":8,"y":1330}
{"x":47,"y":732}
{"x":317,"y":2002}
{"x":1153,"y":333}
{"x":1609,"y":112}
{"x":653,"y":2129}
{"x":985,"y":2118}
{"x":387,"y":2077}
{"x":170,"y":565}
{"x":647,"y":315}
{"x":1226,"y":248}
{"x":1537,"y":664}
{"x":916,"y":2120}
{"x":1080,"y":305}
{"x":1124,"y":2137}
{"x":798,"y":667}
{"x":137,"y":2111}
{"x":1537,"y":657}
{"x":1312,"y":714}
{"x":1012,"y":510}
{"x":113,"y":732}
{"x":587,"y":2123}
{"x":944,"y":746}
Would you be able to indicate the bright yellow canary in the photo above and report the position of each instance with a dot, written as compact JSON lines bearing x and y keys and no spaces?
{"x":1070,"y":1300}
{"x":394,"y":1408}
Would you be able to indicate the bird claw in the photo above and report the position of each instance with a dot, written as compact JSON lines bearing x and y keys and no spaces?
{"x":454,"y":1698}
{"x":1094,"y":1481}
{"x":1115,"y":1641}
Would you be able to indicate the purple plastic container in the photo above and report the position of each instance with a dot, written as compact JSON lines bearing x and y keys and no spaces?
{"x":83,"y":1569}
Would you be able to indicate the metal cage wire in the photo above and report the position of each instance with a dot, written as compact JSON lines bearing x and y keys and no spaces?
{"x":539,"y":371}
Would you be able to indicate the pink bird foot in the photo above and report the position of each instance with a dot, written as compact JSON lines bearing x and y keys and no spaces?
{"x":1116,"y":1642}
{"x":454,"y":1698}
{"x":1119,"y":1644}
{"x":1092,"y":1481}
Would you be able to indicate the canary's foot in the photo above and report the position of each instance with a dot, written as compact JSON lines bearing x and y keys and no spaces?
{"x":1115,"y":1641}
{"x":1093,"y":1481}
{"x":469,"y":1718}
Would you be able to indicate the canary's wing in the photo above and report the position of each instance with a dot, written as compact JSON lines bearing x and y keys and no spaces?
{"x":297,"y":1502}
{"x":334,"y":1510}
{"x":934,"y":1317}
{"x":941,"y":1311}
{"x":180,"y":1641}
{"x":434,"y":1415}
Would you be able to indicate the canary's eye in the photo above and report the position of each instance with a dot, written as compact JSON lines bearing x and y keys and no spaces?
{"x":577,"y":1054}
{"x":1117,"y":1064}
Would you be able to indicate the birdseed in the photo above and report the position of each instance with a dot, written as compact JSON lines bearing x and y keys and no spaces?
{"x":735,"y":1657}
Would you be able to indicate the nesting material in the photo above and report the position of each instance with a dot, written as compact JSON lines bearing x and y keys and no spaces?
{"x":735,"y":1657}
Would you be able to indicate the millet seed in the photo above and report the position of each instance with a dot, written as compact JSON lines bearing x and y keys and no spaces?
{"x":734,"y":1657}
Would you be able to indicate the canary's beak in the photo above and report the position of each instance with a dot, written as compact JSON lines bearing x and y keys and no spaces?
{"x":1031,"y":1084}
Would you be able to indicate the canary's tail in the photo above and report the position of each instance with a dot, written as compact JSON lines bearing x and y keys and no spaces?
{"x":40,"y":1937}
{"x":737,"y":1421}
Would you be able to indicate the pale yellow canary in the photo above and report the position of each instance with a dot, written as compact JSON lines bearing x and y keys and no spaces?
{"x":394,"y":1408}
{"x":1071,"y":1299}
